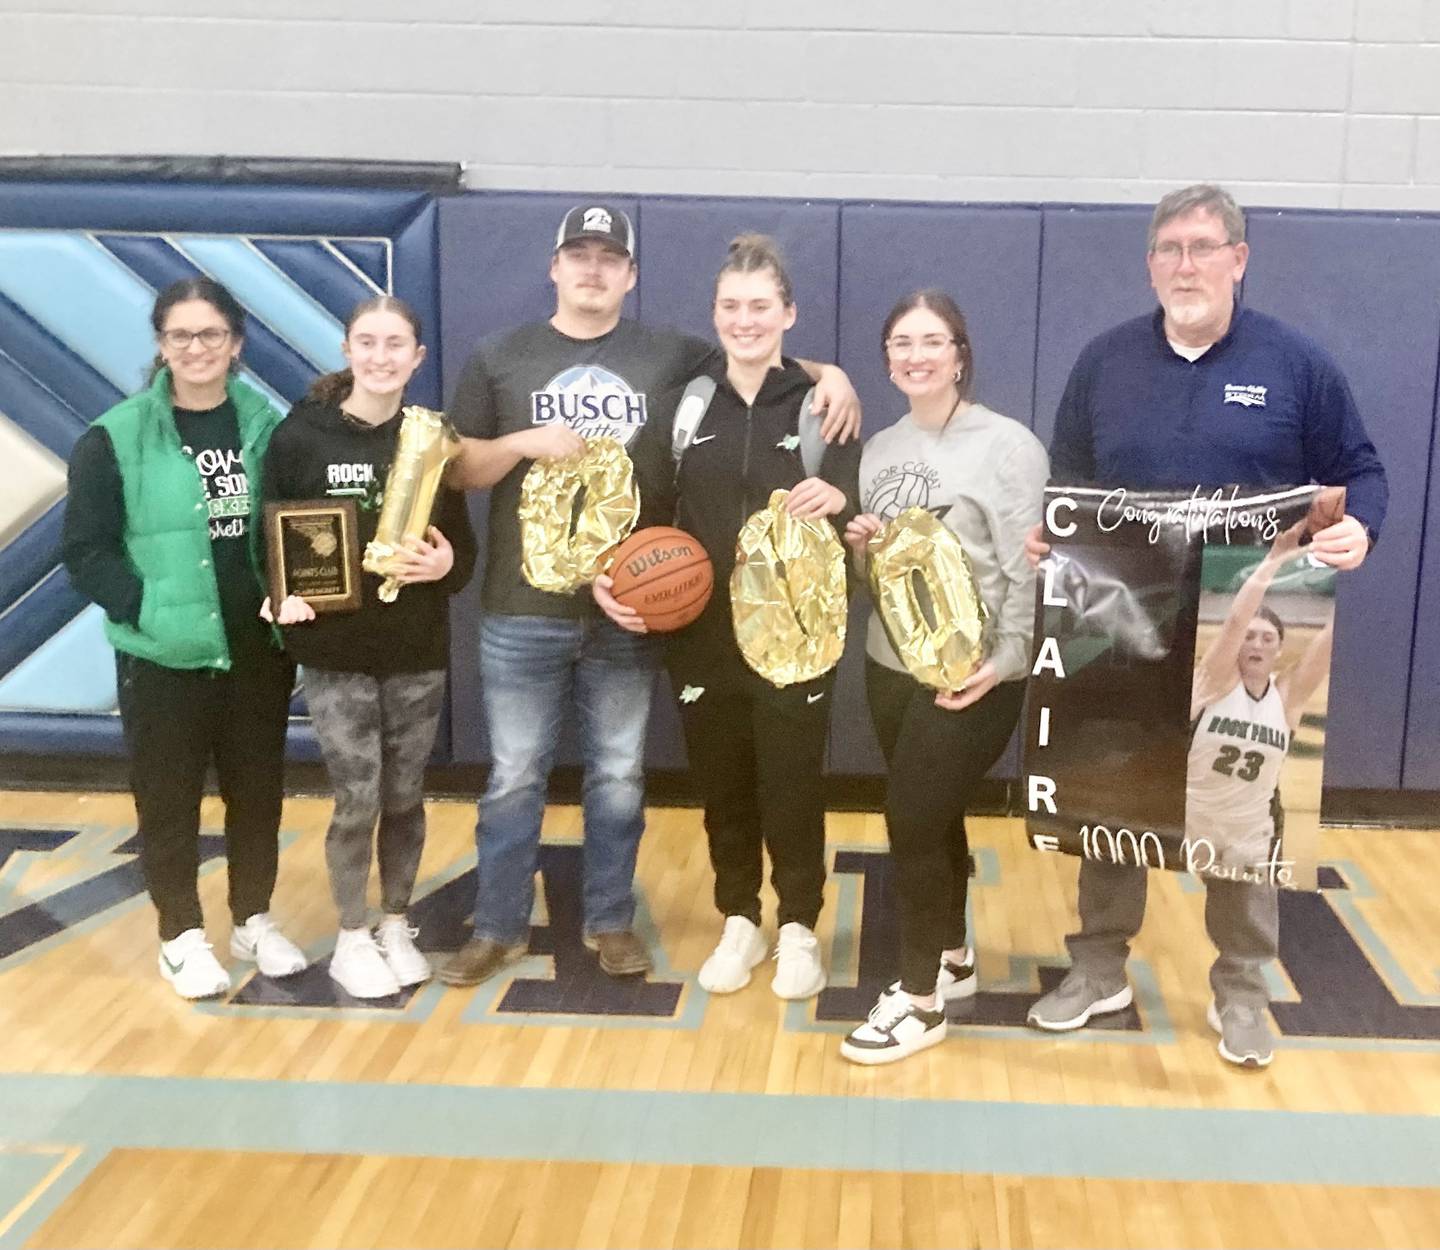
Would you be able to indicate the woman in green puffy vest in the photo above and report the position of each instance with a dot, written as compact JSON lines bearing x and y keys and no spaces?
{"x":159,"y":532}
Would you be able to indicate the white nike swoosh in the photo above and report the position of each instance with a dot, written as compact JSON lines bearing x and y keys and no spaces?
{"x":696,"y":441}
{"x":814,"y":698}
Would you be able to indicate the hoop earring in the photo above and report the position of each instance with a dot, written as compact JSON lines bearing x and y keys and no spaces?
{"x":892,"y":375}
{"x":959,"y":373}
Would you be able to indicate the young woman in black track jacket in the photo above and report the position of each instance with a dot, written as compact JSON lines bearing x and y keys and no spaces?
{"x":756,"y":750}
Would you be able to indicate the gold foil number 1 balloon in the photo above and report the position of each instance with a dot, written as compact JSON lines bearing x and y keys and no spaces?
{"x":787,"y":595}
{"x":573,"y":513}
{"x":425,"y":446}
{"x":942,"y":639}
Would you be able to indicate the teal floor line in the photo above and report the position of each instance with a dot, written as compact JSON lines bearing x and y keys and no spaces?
{"x":859,"y":1133}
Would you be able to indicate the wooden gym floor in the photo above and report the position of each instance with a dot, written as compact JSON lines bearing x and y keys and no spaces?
{"x":556,"y":1107}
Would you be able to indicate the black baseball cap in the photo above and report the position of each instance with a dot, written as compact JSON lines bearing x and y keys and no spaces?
{"x":597,"y":221}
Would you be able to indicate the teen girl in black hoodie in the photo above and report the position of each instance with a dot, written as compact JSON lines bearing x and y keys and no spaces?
{"x":374,"y":678}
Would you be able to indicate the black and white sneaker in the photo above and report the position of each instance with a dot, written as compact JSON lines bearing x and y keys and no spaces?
{"x":896,"y":1027}
{"x":957,"y":980}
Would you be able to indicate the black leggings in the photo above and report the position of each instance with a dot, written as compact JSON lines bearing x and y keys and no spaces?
{"x":936,"y":758}
{"x":176,"y":722}
{"x":758,"y":755}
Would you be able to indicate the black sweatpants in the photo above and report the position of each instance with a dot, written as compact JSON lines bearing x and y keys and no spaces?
{"x":176,"y":722}
{"x":936,"y":759}
{"x":757,"y":753}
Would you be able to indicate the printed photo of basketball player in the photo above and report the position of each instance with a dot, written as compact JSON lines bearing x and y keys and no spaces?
{"x":1252,"y":793}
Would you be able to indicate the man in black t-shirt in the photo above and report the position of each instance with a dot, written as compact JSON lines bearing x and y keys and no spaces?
{"x":531,"y":393}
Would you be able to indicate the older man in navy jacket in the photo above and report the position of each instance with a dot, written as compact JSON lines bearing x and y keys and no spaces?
{"x":1203,"y":391}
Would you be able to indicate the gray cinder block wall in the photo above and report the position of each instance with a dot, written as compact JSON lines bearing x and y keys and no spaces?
{"x":1332,"y":103}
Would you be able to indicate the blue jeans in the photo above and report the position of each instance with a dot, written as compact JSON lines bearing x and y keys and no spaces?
{"x":533,"y":670}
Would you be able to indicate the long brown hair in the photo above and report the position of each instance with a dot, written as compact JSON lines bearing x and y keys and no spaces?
{"x":938,"y":302}
{"x":332,"y":388}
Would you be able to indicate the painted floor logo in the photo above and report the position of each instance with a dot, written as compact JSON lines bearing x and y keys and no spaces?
{"x":1347,"y":985}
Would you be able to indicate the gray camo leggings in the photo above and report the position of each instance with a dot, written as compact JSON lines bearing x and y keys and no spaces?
{"x":376,"y":734}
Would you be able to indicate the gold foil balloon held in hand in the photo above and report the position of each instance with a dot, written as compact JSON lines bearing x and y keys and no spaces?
{"x":573,"y":513}
{"x":927,"y":597}
{"x":425,"y":446}
{"x":787,"y":595}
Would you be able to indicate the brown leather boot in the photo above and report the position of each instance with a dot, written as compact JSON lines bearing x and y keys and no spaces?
{"x":479,"y":960}
{"x":622,"y":954}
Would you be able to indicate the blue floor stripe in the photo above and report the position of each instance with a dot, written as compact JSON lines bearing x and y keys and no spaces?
{"x":727,"y":1130}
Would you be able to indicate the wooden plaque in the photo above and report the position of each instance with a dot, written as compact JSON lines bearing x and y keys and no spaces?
{"x":313,"y":551}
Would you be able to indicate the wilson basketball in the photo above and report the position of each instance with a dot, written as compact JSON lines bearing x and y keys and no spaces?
{"x":663,"y":574}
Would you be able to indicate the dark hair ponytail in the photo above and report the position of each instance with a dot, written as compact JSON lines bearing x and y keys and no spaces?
{"x":201,"y":288}
{"x":332,"y":388}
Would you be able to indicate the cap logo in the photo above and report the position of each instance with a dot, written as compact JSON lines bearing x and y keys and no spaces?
{"x":596,"y":219}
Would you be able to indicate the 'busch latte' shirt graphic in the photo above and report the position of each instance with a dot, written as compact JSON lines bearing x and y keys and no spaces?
{"x":535,"y":376}
{"x":592,"y":401}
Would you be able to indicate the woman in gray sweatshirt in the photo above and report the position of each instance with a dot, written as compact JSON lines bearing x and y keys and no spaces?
{"x":983,"y":476}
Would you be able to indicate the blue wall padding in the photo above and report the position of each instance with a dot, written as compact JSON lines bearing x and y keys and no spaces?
{"x":1092,"y":276}
{"x":71,"y":382}
{"x":50,"y":605}
{"x":36,"y":409}
{"x":29,"y":557}
{"x":1422,"y":727}
{"x":311,"y":266}
{"x":83,"y":297}
{"x":72,"y":671}
{"x":370,"y":257}
{"x":1365,"y":287}
{"x":193,"y":207}
{"x":417,"y":279}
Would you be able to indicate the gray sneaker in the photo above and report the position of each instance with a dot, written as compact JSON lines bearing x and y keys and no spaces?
{"x":1071,"y":1003}
{"x":1245,"y":1037}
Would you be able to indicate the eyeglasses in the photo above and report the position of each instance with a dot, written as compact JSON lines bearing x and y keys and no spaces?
{"x":1199,"y":251}
{"x":929,"y":347}
{"x":179,"y":340}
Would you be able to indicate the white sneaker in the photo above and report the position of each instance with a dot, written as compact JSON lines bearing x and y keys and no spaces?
{"x":187,"y":963}
{"x":740,"y":948}
{"x":798,"y":972}
{"x":259,"y":941}
{"x":957,"y":978}
{"x":359,"y":967}
{"x":897,"y":1027}
{"x":397,"y":943}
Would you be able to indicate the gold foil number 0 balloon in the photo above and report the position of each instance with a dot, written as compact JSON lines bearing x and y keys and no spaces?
{"x":573,"y":513}
{"x":926,"y":594}
{"x":787,"y":595}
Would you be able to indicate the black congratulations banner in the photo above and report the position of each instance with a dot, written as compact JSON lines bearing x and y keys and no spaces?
{"x":1176,"y":704}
